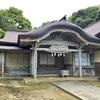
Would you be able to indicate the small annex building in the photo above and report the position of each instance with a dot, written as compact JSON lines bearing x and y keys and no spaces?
{"x":94,"y":30}
{"x":49,"y":49}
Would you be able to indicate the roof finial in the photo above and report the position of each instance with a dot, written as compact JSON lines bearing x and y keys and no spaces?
{"x":63,"y":18}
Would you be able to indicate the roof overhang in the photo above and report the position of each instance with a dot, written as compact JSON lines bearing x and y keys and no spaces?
{"x":76,"y":35}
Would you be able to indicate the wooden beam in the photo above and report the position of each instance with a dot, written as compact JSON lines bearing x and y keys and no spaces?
{"x":49,"y":50}
{"x":57,"y":43}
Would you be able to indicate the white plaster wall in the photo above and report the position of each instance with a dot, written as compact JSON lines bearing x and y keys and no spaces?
{"x":68,"y":58}
{"x":97,"y":56}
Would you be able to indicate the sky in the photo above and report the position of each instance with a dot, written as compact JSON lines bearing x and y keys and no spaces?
{"x":39,"y":11}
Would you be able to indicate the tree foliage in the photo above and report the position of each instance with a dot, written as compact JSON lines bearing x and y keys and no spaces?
{"x":1,"y":33}
{"x":85,"y":17}
{"x":48,"y":22}
{"x":45,"y":23}
{"x":13,"y":18}
{"x":5,"y":21}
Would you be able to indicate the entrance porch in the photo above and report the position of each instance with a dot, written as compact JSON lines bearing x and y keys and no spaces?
{"x":48,"y":64}
{"x":60,"y":38}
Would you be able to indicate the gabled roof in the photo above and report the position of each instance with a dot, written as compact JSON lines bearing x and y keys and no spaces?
{"x":94,"y":28}
{"x":44,"y":31}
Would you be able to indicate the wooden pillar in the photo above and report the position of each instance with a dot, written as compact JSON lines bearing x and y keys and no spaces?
{"x":34,"y":63}
{"x":73,"y":63}
{"x":3,"y":64}
{"x":80,"y":62}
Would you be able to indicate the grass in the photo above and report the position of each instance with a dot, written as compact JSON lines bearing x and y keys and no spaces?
{"x":43,"y":87}
{"x":94,"y":83}
{"x":41,"y":83}
{"x":23,"y":91}
{"x":6,"y":82}
{"x":24,"y":88}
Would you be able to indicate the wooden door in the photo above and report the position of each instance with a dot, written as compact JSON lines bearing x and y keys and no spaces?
{"x":59,"y":62}
{"x":97,"y":69}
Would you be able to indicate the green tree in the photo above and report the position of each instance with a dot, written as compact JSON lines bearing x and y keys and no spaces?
{"x":79,"y":21}
{"x":98,"y":15}
{"x":48,"y":22}
{"x":5,"y":21}
{"x":13,"y":18}
{"x":85,"y":17}
{"x":20,"y":21}
{"x":1,"y":33}
{"x":45,"y":23}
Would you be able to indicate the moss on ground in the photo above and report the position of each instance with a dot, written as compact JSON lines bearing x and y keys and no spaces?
{"x":24,"y":88}
{"x":94,"y":83}
{"x":12,"y":89}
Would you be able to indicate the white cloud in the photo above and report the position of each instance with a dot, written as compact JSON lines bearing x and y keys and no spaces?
{"x":39,"y":11}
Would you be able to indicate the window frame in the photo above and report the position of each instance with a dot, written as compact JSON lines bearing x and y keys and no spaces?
{"x":12,"y":61}
{"x":86,"y":61}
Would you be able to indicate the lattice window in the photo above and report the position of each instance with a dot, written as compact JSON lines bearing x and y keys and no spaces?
{"x":47,"y":59}
{"x":17,"y":59}
{"x":85,"y":59}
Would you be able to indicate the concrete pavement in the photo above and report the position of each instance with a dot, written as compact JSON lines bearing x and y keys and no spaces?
{"x":80,"y":89}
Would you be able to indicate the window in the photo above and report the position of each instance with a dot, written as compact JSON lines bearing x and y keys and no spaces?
{"x":17,"y":59}
{"x":91,"y":59}
{"x":46,"y":60}
{"x":43,"y":59}
{"x":87,"y":59}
